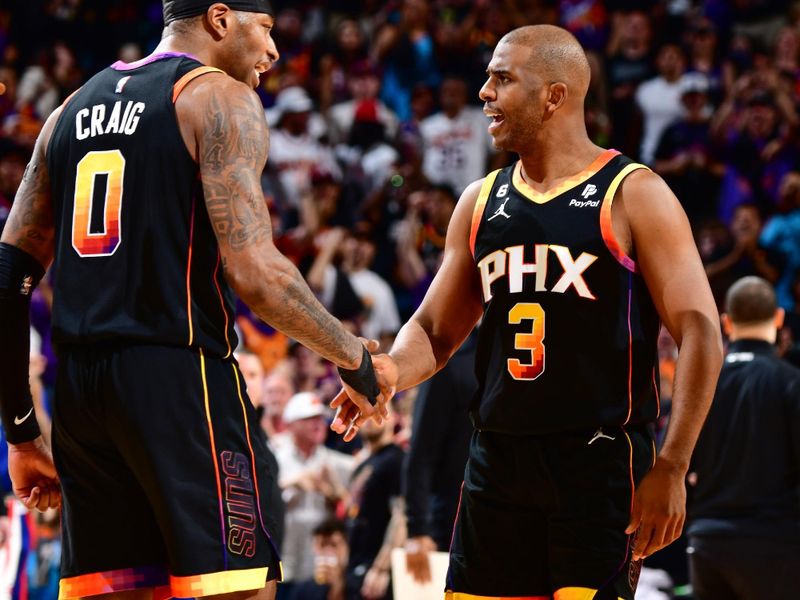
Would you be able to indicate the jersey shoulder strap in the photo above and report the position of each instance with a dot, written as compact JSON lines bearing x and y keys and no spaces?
{"x":606,"y":228}
{"x":480,"y":206}
{"x":190,"y":76}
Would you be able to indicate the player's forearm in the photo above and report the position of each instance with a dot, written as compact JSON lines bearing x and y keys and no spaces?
{"x":283,"y":299}
{"x":414,"y":355}
{"x":696,"y":373}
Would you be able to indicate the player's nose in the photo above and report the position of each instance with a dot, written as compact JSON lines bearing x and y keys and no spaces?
{"x":487,"y":93}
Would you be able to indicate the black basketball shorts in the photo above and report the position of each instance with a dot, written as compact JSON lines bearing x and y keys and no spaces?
{"x":166,"y":480}
{"x":545,"y":516}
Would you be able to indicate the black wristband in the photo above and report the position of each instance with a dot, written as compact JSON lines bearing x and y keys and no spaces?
{"x":19,"y":274}
{"x":363,"y":378}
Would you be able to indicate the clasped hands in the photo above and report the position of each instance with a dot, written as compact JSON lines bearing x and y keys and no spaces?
{"x":354,"y":409}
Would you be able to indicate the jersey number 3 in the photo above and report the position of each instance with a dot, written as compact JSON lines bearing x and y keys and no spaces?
{"x":530,"y":341}
{"x":91,"y":168}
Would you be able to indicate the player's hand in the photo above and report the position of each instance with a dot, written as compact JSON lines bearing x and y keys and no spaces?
{"x":417,"y":561}
{"x":659,"y":509}
{"x":350,"y":415}
{"x":33,"y":475}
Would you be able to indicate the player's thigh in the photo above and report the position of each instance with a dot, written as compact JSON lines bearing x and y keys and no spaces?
{"x":190,"y":432}
{"x":588,"y":549}
{"x":499,"y":541}
{"x":108,"y":525}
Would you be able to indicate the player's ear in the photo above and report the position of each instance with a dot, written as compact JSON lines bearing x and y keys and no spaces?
{"x":218,"y":20}
{"x":727,"y":326}
{"x":557,"y":95}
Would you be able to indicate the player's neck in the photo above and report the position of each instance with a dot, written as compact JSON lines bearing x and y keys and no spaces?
{"x":188,"y":44}
{"x":557,"y":159}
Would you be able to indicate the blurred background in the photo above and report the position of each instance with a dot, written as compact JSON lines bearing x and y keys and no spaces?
{"x":376,"y":129}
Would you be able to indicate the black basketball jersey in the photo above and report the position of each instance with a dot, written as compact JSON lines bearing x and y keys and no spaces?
{"x":569,"y":332}
{"x":136,"y":258}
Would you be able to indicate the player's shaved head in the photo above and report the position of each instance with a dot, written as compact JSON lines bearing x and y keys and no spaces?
{"x":555,"y":54}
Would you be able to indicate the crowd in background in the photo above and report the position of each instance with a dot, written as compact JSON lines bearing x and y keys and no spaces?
{"x":376,"y":129}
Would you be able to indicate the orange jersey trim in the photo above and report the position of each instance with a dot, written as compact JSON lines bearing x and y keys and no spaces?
{"x":214,"y":460}
{"x":119,"y":580}
{"x":224,"y":582}
{"x":606,"y":228}
{"x":190,"y":76}
{"x":524,"y":188}
{"x":576,"y":593}
{"x":222,"y":305}
{"x":480,"y":206}
{"x":463,"y":596}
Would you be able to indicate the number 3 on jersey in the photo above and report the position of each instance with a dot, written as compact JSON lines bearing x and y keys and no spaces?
{"x":530,"y":341}
{"x":103,"y":243}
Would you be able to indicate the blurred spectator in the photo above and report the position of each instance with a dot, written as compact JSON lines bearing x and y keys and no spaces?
{"x":375,"y":518}
{"x":278,"y":390}
{"x":754,"y":145}
{"x":781,"y":234}
{"x":742,"y":256}
{"x":434,"y":466}
{"x":745,"y":515}
{"x":294,"y":152}
{"x":364,"y":84}
{"x":331,"y":553}
{"x":336,"y":64}
{"x":12,"y":167}
{"x":312,"y":478}
{"x":659,"y":98}
{"x":456,"y":140}
{"x":367,"y":157}
{"x":684,"y":156}
{"x":421,"y":237}
{"x":704,"y":57}
{"x":405,"y":50}
{"x":369,"y":301}
{"x":629,"y":64}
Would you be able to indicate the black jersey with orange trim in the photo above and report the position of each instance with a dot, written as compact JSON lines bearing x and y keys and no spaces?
{"x":136,"y":257}
{"x":569,"y":331}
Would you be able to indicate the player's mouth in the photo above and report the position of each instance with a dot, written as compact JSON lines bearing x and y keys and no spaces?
{"x":497,"y":119}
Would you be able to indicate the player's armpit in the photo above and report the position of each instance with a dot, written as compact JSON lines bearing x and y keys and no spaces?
{"x":451,"y":307}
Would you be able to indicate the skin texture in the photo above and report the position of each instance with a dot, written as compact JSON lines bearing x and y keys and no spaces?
{"x":223,"y":125}
{"x":537,"y":82}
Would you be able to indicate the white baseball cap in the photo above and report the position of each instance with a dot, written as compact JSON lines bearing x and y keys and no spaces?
{"x":303,"y":406}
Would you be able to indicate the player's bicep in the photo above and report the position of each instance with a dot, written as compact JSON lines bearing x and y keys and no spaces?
{"x":31,"y":224}
{"x":232,"y":144}
{"x":453,"y":303}
{"x":666,"y":253}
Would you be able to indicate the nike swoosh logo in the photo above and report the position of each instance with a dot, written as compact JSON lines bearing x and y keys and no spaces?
{"x":18,"y":421}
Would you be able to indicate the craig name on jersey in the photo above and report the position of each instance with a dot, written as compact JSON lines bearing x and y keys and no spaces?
{"x":122,"y":118}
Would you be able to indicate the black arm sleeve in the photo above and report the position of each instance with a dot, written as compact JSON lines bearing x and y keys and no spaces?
{"x":19,"y":275}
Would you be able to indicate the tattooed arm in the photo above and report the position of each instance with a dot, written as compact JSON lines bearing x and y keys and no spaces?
{"x":30,"y":226}
{"x":223,"y":121}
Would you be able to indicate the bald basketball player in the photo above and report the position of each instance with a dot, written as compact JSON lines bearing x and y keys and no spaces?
{"x":573,"y":256}
{"x":145,"y":188}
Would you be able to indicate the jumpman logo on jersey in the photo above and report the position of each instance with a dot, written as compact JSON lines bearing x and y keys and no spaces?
{"x":599,"y":435}
{"x":501,"y":210}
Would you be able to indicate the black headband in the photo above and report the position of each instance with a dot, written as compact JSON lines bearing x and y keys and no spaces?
{"x":183,"y":9}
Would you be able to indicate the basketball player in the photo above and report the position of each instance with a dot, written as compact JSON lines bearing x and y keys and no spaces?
{"x":572,"y":255}
{"x":145,"y":187}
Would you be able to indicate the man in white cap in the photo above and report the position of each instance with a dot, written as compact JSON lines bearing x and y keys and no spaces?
{"x":312,"y":478}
